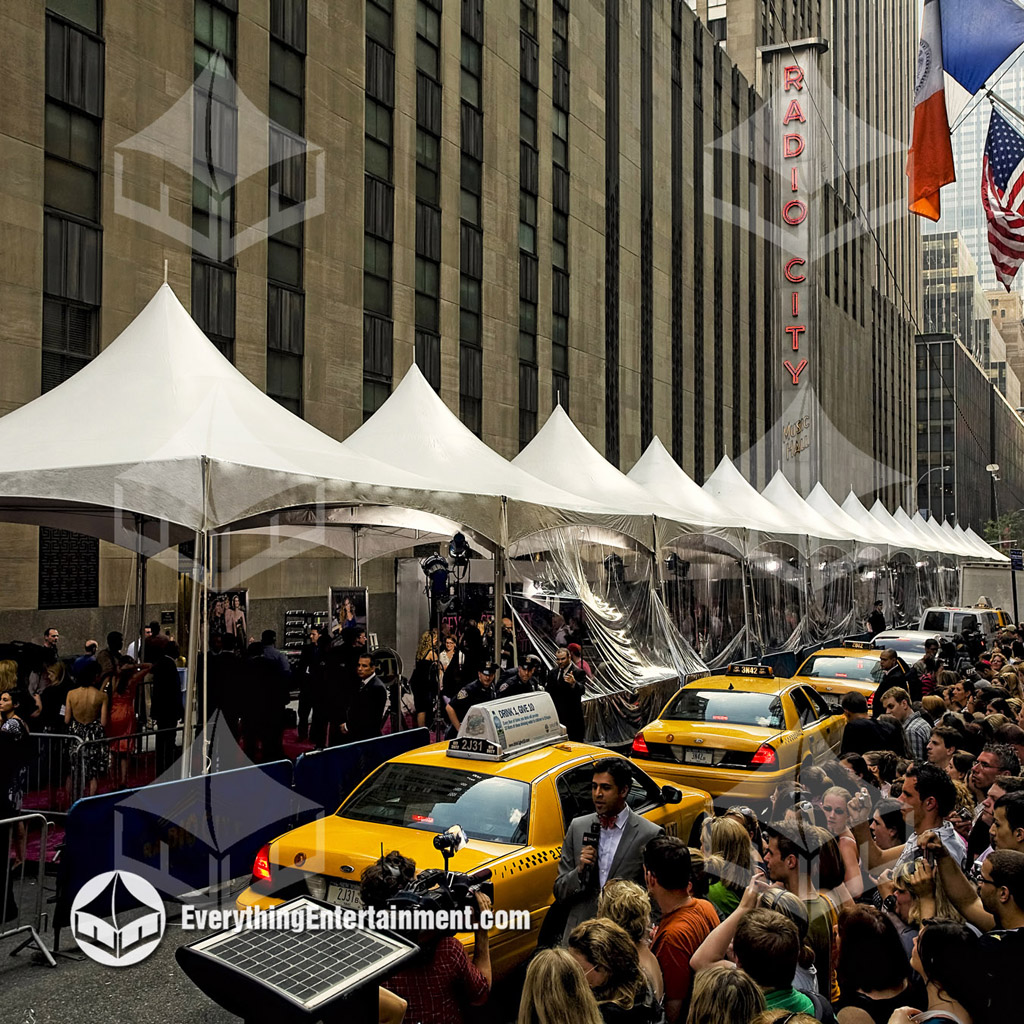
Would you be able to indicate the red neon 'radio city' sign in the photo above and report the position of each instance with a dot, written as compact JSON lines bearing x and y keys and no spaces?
{"x":794,"y":212}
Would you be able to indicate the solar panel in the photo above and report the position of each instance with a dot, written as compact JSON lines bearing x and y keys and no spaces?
{"x":302,"y":972}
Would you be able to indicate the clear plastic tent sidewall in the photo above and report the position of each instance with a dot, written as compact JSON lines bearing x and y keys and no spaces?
{"x":600,"y":589}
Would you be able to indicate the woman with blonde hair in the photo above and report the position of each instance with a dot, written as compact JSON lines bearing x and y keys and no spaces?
{"x":836,"y":806}
{"x":918,"y":878}
{"x":611,"y":966}
{"x":629,"y":906}
{"x":724,"y":995}
{"x":8,"y":674}
{"x":556,"y":991}
{"x":727,"y":840}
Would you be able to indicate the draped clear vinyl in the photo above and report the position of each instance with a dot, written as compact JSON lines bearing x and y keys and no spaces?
{"x":599,"y":589}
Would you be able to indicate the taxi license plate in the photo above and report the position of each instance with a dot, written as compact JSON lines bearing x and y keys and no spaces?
{"x":345,"y":894}
{"x":698,"y":756}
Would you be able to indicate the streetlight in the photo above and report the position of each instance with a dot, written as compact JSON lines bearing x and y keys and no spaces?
{"x":928,"y":472}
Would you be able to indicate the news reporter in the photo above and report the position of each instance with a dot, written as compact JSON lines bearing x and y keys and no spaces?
{"x":440,"y":983}
{"x":606,"y":844}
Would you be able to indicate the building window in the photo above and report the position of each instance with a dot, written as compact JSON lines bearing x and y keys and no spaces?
{"x":213,"y":304}
{"x":527,"y":113}
{"x":528,"y":223}
{"x":427,"y":285}
{"x":378,"y":139}
{"x":286,"y":87}
{"x":428,"y":167}
{"x":428,"y":40}
{"x":471,"y":71}
{"x":378,"y":21}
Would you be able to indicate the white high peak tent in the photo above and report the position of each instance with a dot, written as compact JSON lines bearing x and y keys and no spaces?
{"x":728,"y":486}
{"x":559,"y":451}
{"x":930,"y":528}
{"x":160,"y":425}
{"x":415,"y":432}
{"x":956,"y":542}
{"x":857,"y":512}
{"x":783,"y":495}
{"x":925,"y":541}
{"x":825,"y":505}
{"x":659,"y":474}
{"x":985,"y":550}
{"x":903,"y":539}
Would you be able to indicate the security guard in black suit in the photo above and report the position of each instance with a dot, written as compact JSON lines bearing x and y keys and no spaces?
{"x":476,"y":693}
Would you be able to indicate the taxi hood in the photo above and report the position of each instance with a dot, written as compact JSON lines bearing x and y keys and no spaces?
{"x":343,"y":848}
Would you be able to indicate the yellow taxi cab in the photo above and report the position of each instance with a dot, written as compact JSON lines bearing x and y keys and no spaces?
{"x":835,"y":671}
{"x":740,"y":734}
{"x":511,"y":780}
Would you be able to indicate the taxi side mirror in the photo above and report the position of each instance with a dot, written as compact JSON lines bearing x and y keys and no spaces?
{"x":671,"y":795}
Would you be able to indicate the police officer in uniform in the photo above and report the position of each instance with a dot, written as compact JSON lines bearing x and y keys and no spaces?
{"x":520,"y":680}
{"x":475,"y":693}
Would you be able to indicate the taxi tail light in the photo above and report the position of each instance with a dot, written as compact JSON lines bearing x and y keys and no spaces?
{"x":261,"y":865}
{"x":640,"y":744}
{"x":764,"y":756}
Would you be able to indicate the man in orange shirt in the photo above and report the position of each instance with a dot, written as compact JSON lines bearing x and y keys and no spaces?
{"x":685,"y":921}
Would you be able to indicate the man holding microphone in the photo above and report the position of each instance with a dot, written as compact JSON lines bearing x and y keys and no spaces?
{"x":606,"y":844}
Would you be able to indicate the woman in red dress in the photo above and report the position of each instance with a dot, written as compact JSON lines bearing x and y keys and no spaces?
{"x":122,"y":721}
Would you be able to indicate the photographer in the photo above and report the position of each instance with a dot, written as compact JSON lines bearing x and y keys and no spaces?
{"x":440,"y":983}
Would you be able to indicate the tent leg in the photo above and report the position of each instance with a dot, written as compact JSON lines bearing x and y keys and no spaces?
{"x":499,"y":600}
{"x":746,"y":609}
{"x":357,"y":572}
{"x":198,"y":573}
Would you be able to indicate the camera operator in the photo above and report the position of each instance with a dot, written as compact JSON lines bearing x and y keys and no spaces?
{"x":440,"y":983}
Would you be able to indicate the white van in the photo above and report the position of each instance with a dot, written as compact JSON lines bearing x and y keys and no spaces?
{"x":963,"y":620}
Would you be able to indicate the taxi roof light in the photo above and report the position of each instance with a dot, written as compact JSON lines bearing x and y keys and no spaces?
{"x":261,"y":865}
{"x":859,"y":645}
{"x":765,"y":756}
{"x":758,"y":671}
{"x":640,"y":744}
{"x":498,"y":730}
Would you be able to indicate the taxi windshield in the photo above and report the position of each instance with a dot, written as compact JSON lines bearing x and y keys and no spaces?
{"x":732,"y":707}
{"x":433,"y":798}
{"x":839,"y":667}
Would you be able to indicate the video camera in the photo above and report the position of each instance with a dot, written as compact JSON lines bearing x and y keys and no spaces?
{"x":441,"y":889}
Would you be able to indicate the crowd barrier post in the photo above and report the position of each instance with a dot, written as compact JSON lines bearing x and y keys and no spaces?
{"x":15,"y":918}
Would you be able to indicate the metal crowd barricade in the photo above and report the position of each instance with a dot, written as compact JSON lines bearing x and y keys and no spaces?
{"x":124,"y":762}
{"x":21,"y":888}
{"x":50,"y":767}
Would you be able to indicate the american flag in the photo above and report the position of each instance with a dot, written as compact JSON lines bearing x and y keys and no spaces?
{"x":1002,"y":195}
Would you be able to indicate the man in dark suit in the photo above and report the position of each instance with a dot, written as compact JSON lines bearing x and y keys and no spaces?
{"x":876,"y":620}
{"x":366,"y":711}
{"x":620,"y":835}
{"x":892,"y":675}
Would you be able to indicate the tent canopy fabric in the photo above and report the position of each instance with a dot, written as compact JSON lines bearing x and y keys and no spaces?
{"x":925,"y":541}
{"x":985,"y":550}
{"x":730,"y":488}
{"x":415,"y":432}
{"x":825,"y":505}
{"x":161,"y":425}
{"x":783,"y":495}
{"x":559,"y":451}
{"x":901,"y":538}
{"x":659,"y":474}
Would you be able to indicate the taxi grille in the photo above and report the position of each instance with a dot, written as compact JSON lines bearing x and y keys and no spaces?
{"x":674,"y":753}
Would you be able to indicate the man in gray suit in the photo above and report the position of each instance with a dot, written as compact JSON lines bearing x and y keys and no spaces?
{"x":607,"y":844}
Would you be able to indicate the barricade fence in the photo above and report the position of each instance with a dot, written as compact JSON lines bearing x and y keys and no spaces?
{"x":114,"y":763}
{"x":49,"y":771}
{"x":22,"y":893}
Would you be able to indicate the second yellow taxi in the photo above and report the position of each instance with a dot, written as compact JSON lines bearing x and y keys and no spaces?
{"x":740,"y":734}
{"x":835,"y":671}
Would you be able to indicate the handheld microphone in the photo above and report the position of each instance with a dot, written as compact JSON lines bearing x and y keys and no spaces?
{"x":591,"y":837}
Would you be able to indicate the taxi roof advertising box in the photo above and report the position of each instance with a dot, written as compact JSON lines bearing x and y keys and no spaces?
{"x":500,"y":729}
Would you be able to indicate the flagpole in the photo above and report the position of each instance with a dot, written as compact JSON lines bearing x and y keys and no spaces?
{"x":994,"y":98}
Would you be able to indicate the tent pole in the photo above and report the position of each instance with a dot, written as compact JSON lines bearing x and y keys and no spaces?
{"x":209,"y":564}
{"x":499,"y":583}
{"x":357,"y":574}
{"x":746,"y":608}
{"x":193,"y":654}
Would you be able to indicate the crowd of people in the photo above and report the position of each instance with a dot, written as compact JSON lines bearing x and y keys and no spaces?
{"x":884,"y":886}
